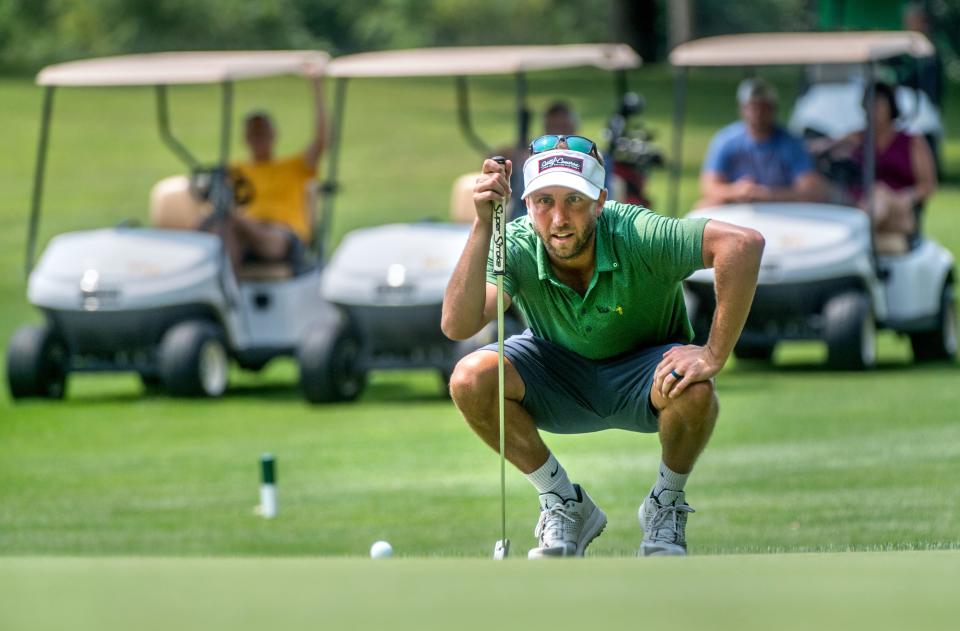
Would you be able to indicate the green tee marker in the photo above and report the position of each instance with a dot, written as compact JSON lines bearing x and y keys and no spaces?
{"x":268,"y":486}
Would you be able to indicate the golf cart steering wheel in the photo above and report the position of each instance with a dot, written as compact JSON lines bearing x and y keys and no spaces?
{"x":201,"y":182}
{"x":843,"y":171}
{"x":833,"y":162}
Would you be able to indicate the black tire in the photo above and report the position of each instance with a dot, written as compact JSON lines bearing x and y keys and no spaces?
{"x":253,"y":365}
{"x":194,"y":360}
{"x":941,"y":344}
{"x":151,"y":382}
{"x":36,"y":364}
{"x":850,"y":332}
{"x":753,"y":351}
{"x":330,"y":365}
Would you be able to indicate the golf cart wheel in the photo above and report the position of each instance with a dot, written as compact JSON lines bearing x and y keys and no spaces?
{"x":754,"y":351}
{"x":36,"y":363}
{"x":330,"y":367}
{"x":193,"y":360}
{"x":253,"y":365}
{"x":486,"y":335}
{"x":151,"y":382}
{"x":939,"y":345}
{"x":850,"y":332}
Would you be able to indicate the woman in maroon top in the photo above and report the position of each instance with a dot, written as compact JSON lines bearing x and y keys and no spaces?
{"x":904,"y":167}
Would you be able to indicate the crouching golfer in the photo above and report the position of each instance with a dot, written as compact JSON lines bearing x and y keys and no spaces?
{"x":599,"y":286}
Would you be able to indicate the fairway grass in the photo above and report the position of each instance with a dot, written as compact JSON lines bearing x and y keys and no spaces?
{"x":802,"y":460}
{"x":870,"y":591}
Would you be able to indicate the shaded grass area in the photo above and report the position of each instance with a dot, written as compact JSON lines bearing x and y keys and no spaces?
{"x":803,"y":459}
{"x":868,"y":591}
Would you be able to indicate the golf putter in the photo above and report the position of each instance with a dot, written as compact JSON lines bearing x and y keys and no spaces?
{"x":502,"y":549}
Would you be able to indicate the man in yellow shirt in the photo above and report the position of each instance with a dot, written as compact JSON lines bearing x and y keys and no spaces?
{"x":278,"y":220}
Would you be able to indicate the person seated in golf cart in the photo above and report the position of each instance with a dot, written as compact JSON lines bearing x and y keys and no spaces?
{"x":755,"y":159}
{"x":277,"y":222}
{"x":559,"y":117}
{"x":905,"y":172}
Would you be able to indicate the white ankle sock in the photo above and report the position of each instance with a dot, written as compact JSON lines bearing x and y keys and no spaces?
{"x":552,"y":478}
{"x":669,"y":484}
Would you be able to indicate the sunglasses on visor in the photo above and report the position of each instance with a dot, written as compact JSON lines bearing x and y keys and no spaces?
{"x":574,"y":143}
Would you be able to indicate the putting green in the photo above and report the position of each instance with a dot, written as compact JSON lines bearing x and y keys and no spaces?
{"x":880,"y":590}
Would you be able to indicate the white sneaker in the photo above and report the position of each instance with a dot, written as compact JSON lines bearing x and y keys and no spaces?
{"x":664,"y":526}
{"x":566,"y":526}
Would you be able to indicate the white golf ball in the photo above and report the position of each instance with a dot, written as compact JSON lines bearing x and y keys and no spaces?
{"x":381,"y":550}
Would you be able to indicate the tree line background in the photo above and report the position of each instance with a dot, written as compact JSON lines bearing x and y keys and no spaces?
{"x":37,"y":32}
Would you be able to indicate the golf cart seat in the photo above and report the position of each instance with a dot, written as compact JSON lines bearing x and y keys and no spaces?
{"x":172,"y":205}
{"x":261,"y":270}
{"x":461,"y":198}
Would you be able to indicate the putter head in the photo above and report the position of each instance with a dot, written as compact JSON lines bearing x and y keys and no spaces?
{"x":501,"y":550}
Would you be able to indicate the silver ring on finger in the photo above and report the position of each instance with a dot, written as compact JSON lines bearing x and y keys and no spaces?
{"x":676,"y":375}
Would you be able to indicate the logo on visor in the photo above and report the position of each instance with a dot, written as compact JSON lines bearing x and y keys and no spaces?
{"x":561,"y":162}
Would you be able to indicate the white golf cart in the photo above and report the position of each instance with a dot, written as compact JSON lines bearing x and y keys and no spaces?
{"x":389,"y":280}
{"x":822,"y":276}
{"x":159,"y":301}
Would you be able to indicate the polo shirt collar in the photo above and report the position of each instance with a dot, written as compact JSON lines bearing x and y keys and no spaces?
{"x":606,"y":259}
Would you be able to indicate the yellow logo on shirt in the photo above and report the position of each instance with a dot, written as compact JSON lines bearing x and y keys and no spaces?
{"x":602,"y":309}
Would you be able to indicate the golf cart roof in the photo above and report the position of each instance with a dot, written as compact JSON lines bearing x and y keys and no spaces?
{"x":773,"y":49}
{"x":183,"y":68}
{"x":482,"y":60}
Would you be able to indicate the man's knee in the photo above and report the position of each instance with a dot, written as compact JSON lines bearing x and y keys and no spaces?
{"x":474,"y":379}
{"x":702,"y":391}
{"x":698,"y":401}
{"x":704,"y":404}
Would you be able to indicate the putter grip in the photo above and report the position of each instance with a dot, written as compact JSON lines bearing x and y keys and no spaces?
{"x":499,"y":230}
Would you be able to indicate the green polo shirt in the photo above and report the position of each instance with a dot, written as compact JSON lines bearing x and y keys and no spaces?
{"x":635,"y":298}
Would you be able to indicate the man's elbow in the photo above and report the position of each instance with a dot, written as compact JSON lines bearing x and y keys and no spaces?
{"x":751,"y":244}
{"x":453,"y":327}
{"x":742,"y":246}
{"x":449,"y":326}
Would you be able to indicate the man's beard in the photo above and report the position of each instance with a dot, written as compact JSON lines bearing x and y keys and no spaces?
{"x":579,"y":245}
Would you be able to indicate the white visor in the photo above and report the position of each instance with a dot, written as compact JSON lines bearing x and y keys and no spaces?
{"x":561,"y":167}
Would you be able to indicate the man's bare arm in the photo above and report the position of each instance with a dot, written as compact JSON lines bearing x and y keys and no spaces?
{"x":808,"y":187}
{"x":734,"y":253}
{"x":316,"y":147}
{"x":469,"y":301}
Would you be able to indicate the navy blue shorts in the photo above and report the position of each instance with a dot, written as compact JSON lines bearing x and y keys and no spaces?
{"x":567,"y":393}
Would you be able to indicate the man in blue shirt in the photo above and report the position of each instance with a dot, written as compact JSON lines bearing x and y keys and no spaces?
{"x":756,"y":160}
